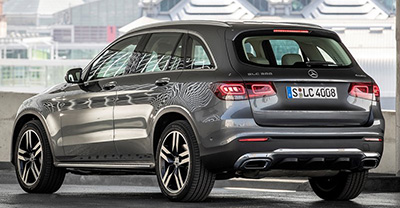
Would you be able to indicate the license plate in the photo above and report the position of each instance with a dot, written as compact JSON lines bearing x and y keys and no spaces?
{"x":311,"y":92}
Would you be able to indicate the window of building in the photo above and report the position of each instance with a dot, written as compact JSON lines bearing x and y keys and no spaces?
{"x":114,"y":61}
{"x":390,"y":5}
{"x":166,"y":5}
{"x":261,"y":5}
{"x":298,"y":5}
{"x":62,"y":35}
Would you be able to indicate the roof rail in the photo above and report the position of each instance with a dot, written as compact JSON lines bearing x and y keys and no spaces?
{"x":183,"y":22}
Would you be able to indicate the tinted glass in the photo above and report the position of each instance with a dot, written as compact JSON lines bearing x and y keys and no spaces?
{"x":177,"y":60}
{"x":294,"y":51}
{"x":199,"y":59}
{"x":157,"y":53}
{"x":283,"y":47}
{"x":114,"y":61}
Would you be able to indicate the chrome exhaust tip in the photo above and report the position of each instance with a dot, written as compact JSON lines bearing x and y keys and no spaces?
{"x":369,"y":163}
{"x":255,"y":164}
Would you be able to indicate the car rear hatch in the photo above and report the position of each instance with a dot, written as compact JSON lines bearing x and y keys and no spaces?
{"x":302,"y":89}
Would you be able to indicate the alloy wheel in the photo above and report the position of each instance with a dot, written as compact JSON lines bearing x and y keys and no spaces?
{"x":30,"y":157}
{"x":174,"y":162}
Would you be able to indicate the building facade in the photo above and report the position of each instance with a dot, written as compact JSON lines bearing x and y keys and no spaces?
{"x":49,"y":31}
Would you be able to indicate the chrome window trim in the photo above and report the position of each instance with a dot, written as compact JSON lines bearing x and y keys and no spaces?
{"x":196,"y":34}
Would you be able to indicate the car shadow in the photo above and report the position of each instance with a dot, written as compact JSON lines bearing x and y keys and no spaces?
{"x":156,"y":199}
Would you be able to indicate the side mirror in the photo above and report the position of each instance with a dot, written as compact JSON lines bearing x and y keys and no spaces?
{"x":74,"y":75}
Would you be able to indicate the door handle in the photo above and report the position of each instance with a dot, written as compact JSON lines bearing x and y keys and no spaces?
{"x":110,"y":85}
{"x":162,"y":81}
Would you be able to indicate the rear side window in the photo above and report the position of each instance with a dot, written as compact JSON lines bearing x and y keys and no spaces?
{"x":197,"y":55}
{"x":158,"y":51}
{"x":293,"y":51}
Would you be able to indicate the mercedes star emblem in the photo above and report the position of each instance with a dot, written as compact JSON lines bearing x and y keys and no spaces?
{"x":312,"y":73}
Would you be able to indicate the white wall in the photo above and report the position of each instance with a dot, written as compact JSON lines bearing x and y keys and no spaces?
{"x":9,"y":104}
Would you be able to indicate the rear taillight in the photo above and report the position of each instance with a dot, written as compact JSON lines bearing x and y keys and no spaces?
{"x":241,"y":91}
{"x":260,"y":89}
{"x":231,"y":91}
{"x":365,"y":90}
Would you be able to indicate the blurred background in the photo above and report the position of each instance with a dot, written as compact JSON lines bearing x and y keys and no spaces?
{"x":41,"y":39}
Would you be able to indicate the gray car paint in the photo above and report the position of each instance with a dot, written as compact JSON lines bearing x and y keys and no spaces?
{"x":123,"y":119}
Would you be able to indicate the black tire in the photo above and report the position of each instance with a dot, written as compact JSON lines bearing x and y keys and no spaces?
{"x":50,"y":178}
{"x":199,"y":181}
{"x":342,"y":187}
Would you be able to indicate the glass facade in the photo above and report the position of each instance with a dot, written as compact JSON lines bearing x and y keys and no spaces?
{"x":166,"y":5}
{"x":77,"y":53}
{"x":261,"y":5}
{"x":298,"y":5}
{"x":35,"y":75}
{"x":17,"y":54}
{"x":390,"y":5}
{"x":101,"y":13}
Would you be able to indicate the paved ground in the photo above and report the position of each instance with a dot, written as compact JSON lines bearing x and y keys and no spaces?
{"x":133,"y":196}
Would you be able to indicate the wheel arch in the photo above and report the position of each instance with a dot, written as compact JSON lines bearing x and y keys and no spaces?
{"x":166,"y":116}
{"x":20,"y":121}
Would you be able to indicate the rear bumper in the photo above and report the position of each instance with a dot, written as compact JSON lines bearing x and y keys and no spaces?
{"x":222,"y":152}
{"x":309,"y":159}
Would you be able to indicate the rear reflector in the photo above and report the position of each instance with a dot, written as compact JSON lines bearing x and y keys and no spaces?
{"x":241,"y":91}
{"x":365,"y":90}
{"x":372,"y":139}
{"x":291,"y":31}
{"x":253,"y":140}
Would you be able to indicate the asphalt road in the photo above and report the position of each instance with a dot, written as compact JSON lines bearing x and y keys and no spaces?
{"x":134,"y":196}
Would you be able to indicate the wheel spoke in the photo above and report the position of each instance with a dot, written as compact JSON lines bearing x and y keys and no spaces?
{"x":20,"y":157}
{"x":185,"y":153}
{"x":20,"y":151}
{"x":38,"y":152}
{"x":36,"y":146}
{"x":175,"y":141}
{"x":29,"y":139}
{"x":167,"y":177}
{"x":25,"y":174}
{"x":35,"y":170}
{"x":184,"y":161}
{"x":166,"y":150}
{"x":178,"y":179}
{"x":163,"y":156}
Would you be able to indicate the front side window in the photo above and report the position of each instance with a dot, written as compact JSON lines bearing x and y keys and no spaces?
{"x":293,"y":51}
{"x":114,"y":61}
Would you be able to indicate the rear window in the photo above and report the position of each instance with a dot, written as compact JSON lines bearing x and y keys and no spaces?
{"x":293,"y":51}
